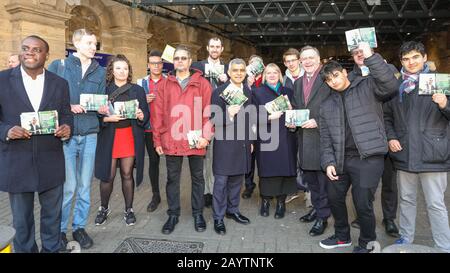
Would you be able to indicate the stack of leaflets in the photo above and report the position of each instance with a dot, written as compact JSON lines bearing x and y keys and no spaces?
{"x":40,"y":123}
{"x":296,"y":117}
{"x":92,"y":102}
{"x":126,"y":109}
{"x":434,"y":83}
{"x":193,"y":138}
{"x":233,"y":95}
{"x":214,"y":71}
{"x":279,"y":104}
{"x":356,"y":36}
{"x":255,"y":68}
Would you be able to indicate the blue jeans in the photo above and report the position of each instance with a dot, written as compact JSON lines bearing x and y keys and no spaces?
{"x":79,"y":156}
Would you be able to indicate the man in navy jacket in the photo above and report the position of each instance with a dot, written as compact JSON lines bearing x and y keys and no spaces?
{"x":232,"y":148}
{"x":30,"y":164}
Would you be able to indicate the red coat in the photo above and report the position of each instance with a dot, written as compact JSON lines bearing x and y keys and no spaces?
{"x":191,"y":113}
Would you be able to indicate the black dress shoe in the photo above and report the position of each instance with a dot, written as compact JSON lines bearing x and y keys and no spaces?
{"x":199,"y":223}
{"x":391,"y":228}
{"x":247,"y":193}
{"x":241,"y":219}
{"x":64,"y":242}
{"x":280,"y":210}
{"x":265,"y":205}
{"x":169,"y":226}
{"x":319,"y":227}
{"x":153,"y":205}
{"x":219,"y":227}
{"x":308,"y":218}
{"x":208,"y":198}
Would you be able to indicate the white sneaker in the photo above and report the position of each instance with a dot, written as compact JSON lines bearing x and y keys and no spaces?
{"x":307,"y":199}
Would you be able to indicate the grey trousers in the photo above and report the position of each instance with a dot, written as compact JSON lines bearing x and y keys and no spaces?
{"x":207,"y":169}
{"x":226,"y":195}
{"x":434,"y":185}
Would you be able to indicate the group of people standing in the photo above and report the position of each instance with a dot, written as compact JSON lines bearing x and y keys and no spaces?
{"x":362,"y":127}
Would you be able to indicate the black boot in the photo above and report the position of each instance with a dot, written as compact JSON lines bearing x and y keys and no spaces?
{"x":281,"y":207}
{"x":265,"y":205}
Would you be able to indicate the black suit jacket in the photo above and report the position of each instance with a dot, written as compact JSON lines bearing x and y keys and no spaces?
{"x":309,"y":139}
{"x":201,"y":67}
{"x":36,"y":164}
{"x":231,"y":148}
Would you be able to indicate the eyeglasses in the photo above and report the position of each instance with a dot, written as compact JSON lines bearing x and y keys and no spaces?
{"x":33,"y":50}
{"x":182,"y":58}
{"x":291,"y":61}
{"x":155,"y":63}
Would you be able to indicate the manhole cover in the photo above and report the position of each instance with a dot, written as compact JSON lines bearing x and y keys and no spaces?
{"x":143,"y":245}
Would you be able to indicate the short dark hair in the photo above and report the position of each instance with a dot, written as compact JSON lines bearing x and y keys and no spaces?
{"x":409,"y":46}
{"x":47,"y":47}
{"x":110,"y":68}
{"x":215,"y":39}
{"x":155,"y":53}
{"x":329,"y":68}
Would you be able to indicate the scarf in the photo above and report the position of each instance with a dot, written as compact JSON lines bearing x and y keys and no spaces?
{"x":275,"y":88}
{"x":410,"y":81}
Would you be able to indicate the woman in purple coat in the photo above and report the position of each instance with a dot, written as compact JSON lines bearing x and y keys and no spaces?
{"x":275,"y":146}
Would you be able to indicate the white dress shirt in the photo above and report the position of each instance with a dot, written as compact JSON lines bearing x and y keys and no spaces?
{"x":34,"y":88}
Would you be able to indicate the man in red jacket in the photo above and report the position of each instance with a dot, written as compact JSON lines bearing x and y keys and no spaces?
{"x":182,"y":128}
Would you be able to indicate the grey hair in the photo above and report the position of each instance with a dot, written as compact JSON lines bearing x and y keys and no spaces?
{"x":183,"y":48}
{"x":236,"y":61}
{"x":308,"y":47}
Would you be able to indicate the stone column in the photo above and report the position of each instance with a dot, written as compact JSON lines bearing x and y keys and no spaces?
{"x":42,"y":19}
{"x":133,"y":45}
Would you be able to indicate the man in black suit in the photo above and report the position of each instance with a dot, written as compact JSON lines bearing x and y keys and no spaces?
{"x":309,"y":92}
{"x":30,"y":88}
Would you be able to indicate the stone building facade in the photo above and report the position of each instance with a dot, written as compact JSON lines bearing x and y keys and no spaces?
{"x":133,"y":32}
{"x":119,"y":29}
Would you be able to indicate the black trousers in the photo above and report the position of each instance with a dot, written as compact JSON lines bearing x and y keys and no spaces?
{"x":22,"y":207}
{"x":174,"y":164}
{"x":389,"y":191}
{"x":153,"y":165}
{"x":317,"y":182}
{"x":249,"y":178}
{"x":363,"y":175}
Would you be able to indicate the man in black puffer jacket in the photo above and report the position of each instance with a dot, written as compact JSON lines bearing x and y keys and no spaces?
{"x":389,"y":191}
{"x":353,"y":143}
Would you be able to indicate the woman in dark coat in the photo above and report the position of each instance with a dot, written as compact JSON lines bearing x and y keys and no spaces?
{"x":275,"y":146}
{"x":120,"y":140}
